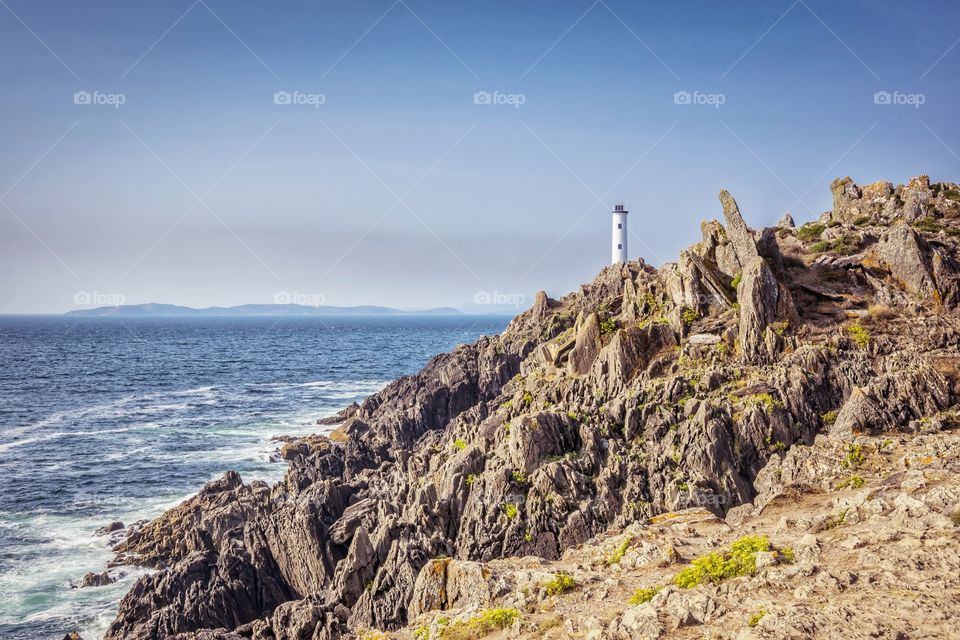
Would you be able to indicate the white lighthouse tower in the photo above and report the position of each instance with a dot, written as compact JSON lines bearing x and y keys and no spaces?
{"x":619,"y":245}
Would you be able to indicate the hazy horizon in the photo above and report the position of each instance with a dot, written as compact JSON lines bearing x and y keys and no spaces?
{"x":417,"y":154}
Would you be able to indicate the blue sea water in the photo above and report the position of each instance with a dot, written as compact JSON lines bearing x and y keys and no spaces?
{"x":105,"y":419}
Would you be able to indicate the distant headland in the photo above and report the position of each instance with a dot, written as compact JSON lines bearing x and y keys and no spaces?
{"x":154,"y":309}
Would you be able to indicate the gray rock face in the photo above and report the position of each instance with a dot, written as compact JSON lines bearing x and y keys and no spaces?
{"x":91,"y":579}
{"x":762,"y":298}
{"x":740,"y":236}
{"x":535,"y":441}
{"x":786,"y":221}
{"x":587,"y":346}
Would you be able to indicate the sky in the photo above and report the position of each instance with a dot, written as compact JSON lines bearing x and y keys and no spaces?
{"x":418,"y":153}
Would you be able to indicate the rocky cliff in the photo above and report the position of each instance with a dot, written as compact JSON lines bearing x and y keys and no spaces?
{"x":646,"y":392}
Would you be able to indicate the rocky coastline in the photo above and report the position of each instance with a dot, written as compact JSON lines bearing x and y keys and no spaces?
{"x":675,"y":408}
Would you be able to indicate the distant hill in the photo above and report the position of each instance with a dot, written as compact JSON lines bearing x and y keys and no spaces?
{"x":154,"y":309}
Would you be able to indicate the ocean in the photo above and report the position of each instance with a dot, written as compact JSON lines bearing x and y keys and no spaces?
{"x":105,"y":419}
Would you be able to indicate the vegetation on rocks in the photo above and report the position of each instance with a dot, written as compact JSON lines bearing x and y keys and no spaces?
{"x":716,"y":567}
{"x":560,"y":583}
{"x":480,"y":625}
{"x":642,"y":595}
{"x":466,"y":486}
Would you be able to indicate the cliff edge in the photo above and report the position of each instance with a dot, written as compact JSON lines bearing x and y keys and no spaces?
{"x":687,"y":401}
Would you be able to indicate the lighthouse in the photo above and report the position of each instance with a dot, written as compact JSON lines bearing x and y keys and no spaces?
{"x":619,"y":245}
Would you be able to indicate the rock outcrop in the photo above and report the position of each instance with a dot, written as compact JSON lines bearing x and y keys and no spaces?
{"x":646,"y":392}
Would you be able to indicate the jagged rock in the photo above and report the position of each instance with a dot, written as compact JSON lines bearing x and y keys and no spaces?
{"x":536,"y":441}
{"x":762,"y":298}
{"x":758,"y":295}
{"x":685,"y":608}
{"x":351,"y":428}
{"x":348,"y":412}
{"x":786,"y":222}
{"x":638,"y":623}
{"x":740,"y":236}
{"x":91,"y":579}
{"x":110,"y":528}
{"x":587,"y":345}
{"x":446,"y":583}
{"x":905,"y":255}
{"x":916,"y":196}
{"x":860,"y":412}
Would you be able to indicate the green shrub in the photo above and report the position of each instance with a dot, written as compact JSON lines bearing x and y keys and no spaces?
{"x":471,"y":478}
{"x":715,"y":567}
{"x":845,"y":245}
{"x":459,"y":444}
{"x":735,"y":283}
{"x":829,"y":417}
{"x":853,"y":482}
{"x":608,"y":326}
{"x":527,"y":398}
{"x":617,"y":555}
{"x":518,"y":478}
{"x":928,"y":224}
{"x":854,"y":458}
{"x":642,"y":595}
{"x":862,"y":221}
{"x":510,"y":510}
{"x":811,"y":231}
{"x":560,"y":583}
{"x":690,"y":315}
{"x":480,"y":625}
{"x":756,"y":618}
{"x":860,"y":335}
{"x":765,"y":400}
{"x":820,"y":247}
{"x":780,"y":328}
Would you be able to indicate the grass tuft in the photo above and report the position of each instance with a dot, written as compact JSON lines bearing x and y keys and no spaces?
{"x":740,"y":560}
{"x":560,"y":583}
{"x":481,"y":624}
{"x":642,"y":595}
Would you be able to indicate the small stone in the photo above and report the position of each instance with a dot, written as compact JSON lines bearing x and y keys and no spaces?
{"x":704,"y":339}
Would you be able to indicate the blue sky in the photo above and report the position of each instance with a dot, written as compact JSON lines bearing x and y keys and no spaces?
{"x":398,"y":189}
